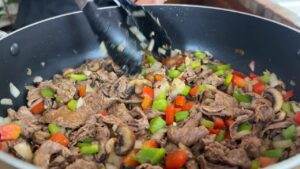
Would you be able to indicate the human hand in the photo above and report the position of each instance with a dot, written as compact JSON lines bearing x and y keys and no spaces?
{"x":143,"y":2}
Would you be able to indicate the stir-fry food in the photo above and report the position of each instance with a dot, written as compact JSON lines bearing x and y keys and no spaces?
{"x":189,"y":111}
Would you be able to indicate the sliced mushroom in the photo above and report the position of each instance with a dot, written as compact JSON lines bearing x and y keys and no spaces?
{"x":276,"y":97}
{"x":280,"y":116}
{"x":109,"y":146}
{"x":125,"y":140}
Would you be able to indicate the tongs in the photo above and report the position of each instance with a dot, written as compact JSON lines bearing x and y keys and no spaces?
{"x":127,"y":43}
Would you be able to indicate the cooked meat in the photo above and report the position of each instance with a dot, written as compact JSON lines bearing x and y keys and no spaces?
{"x":94,"y":103}
{"x":222,"y":102}
{"x":252,"y":146}
{"x":263,"y":109}
{"x":208,"y":165}
{"x":214,"y":80}
{"x":276,"y":126}
{"x":217,"y":153}
{"x":65,"y":89}
{"x":79,"y":164}
{"x":43,"y":154}
{"x":191,"y":164}
{"x":239,"y":120}
{"x":186,"y":135}
{"x":121,"y":88}
{"x":40,"y":136}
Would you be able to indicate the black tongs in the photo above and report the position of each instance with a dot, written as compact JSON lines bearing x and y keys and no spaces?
{"x":127,"y":43}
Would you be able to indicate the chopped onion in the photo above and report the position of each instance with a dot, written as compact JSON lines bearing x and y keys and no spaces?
{"x":103,"y":48}
{"x":29,"y":72}
{"x":43,"y":64}
{"x":137,"y":33}
{"x":151,"y":45}
{"x":176,"y":87}
{"x":37,"y":79}
{"x":4,"y":120}
{"x":6,"y":101}
{"x":14,"y":90}
{"x":292,"y":83}
{"x":295,"y":106}
{"x":139,"y":13}
{"x":152,"y":34}
{"x":274,"y":80}
{"x":242,"y":133}
{"x":252,"y":65}
{"x":161,"y":51}
{"x":23,"y":149}
{"x":138,"y":144}
{"x":89,"y":89}
{"x":282,"y":143}
{"x":80,"y":102}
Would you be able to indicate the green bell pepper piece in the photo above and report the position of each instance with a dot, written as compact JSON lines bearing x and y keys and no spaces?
{"x":77,"y":76}
{"x":181,"y":116}
{"x":160,"y":104}
{"x":89,"y":149}
{"x":185,"y":91}
{"x":156,"y":124}
{"x":72,"y":105}
{"x":274,"y":153}
{"x":53,"y":128}
{"x":221,"y":135}
{"x":207,"y":123}
{"x":245,"y":126}
{"x":290,"y":132}
{"x":151,"y":155}
{"x":241,"y":97}
{"x":173,"y":73}
{"x":47,"y":93}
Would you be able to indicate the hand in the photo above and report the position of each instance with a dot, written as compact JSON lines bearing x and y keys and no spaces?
{"x":142,"y":2}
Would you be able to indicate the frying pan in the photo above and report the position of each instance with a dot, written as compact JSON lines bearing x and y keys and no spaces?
{"x":67,"y":41}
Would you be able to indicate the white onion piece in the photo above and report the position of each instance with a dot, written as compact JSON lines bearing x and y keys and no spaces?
{"x":152,"y":34}
{"x":6,"y":101}
{"x":37,"y":79}
{"x":274,"y":80}
{"x":282,"y":143}
{"x":4,"y":120}
{"x":138,"y":144}
{"x":80,"y":102}
{"x":103,"y":48}
{"x":252,"y":65}
{"x":29,"y":72}
{"x":24,"y":150}
{"x":161,"y":51}
{"x":151,"y":45}
{"x":14,"y":90}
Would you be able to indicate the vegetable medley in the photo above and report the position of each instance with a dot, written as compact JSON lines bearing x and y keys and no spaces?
{"x":188,"y":111}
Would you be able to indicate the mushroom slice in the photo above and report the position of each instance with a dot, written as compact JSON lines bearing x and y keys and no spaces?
{"x":276,"y":98}
{"x":125,"y":140}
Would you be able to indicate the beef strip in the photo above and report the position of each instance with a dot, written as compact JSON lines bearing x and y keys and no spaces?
{"x":94,"y":102}
{"x":93,"y":128}
{"x":191,"y":164}
{"x":246,"y":115}
{"x":148,"y":166}
{"x":121,"y":88}
{"x":252,"y":146}
{"x":222,"y":102}
{"x":263,"y":110}
{"x":40,"y":136}
{"x":276,"y":126}
{"x":29,"y":122}
{"x":186,"y":135}
{"x":80,"y":163}
{"x":43,"y":154}
{"x":208,"y":165}
{"x":218,"y":153}
{"x":214,"y":80}
{"x":65,"y":89}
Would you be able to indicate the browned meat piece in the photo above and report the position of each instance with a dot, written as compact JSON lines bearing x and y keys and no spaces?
{"x":214,"y":80}
{"x":194,"y":119}
{"x":34,"y":93}
{"x":43,"y":154}
{"x":119,"y":110}
{"x":80,"y":163}
{"x":207,"y":165}
{"x":263,"y":109}
{"x":238,"y":157}
{"x":252,"y":146}
{"x":276,"y":126}
{"x":186,"y":135}
{"x":92,"y":129}
{"x":65,"y":89}
{"x":222,"y":102}
{"x":217,"y":153}
{"x":191,"y":164}
{"x":40,"y":136}
{"x":121,"y":88}
{"x":239,"y":120}
{"x":148,"y":166}
{"x":94,"y":102}
{"x":28,"y":121}
{"x":174,"y":61}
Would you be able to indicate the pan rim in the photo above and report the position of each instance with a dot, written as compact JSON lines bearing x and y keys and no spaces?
{"x":160,"y":5}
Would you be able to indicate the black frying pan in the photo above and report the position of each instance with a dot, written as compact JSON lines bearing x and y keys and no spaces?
{"x":67,"y":40}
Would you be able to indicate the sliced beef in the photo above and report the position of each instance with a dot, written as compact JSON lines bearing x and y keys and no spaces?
{"x":186,"y":135}
{"x":222,"y":102}
{"x":148,"y":166}
{"x":214,"y":80}
{"x":190,"y":76}
{"x":278,"y":126}
{"x":252,"y":146}
{"x":94,"y":102}
{"x":43,"y":154}
{"x":65,"y":89}
{"x":208,"y":165}
{"x":248,"y":115}
{"x":121,"y":88}
{"x":40,"y":136}
{"x":217,"y":153}
{"x":34,"y":93}
{"x":92,"y":129}
{"x":191,"y":164}
{"x":193,"y":120}
{"x":263,"y":110}
{"x":80,"y":163}
{"x":29,"y":122}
